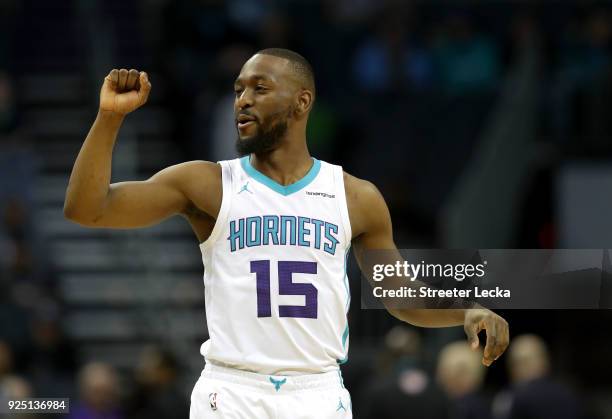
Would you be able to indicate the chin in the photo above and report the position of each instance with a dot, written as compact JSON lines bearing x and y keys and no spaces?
{"x":249,"y":135}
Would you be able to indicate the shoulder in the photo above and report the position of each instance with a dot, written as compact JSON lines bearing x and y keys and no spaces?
{"x":365,"y":203}
{"x":185,"y":170}
{"x":360,"y":190}
{"x":187,"y":175}
{"x":199,"y":181}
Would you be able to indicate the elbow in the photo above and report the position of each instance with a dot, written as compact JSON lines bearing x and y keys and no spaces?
{"x":399,"y":314}
{"x":74,"y":214}
{"x":70,"y":212}
{"x":396,"y":313}
{"x":430,"y":317}
{"x":415,"y":317}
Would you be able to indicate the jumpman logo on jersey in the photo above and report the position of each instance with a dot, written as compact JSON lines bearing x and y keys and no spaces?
{"x":340,"y":405}
{"x":278,"y":383}
{"x":245,"y":188}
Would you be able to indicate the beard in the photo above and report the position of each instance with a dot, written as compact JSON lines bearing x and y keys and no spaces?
{"x":267,"y":138}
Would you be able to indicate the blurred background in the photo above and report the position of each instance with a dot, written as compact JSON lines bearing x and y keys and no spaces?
{"x":484,"y":124}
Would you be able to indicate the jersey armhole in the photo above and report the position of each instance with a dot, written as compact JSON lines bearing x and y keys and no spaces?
{"x":342,"y":204}
{"x":226,"y":182}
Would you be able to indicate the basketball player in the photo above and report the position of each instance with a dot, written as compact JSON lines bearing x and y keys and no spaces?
{"x":274,"y":227}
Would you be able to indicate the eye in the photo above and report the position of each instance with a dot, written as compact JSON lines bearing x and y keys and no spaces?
{"x":260,"y":88}
{"x":238,"y":90}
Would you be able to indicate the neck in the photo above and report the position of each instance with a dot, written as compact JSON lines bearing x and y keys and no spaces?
{"x":285,"y":165}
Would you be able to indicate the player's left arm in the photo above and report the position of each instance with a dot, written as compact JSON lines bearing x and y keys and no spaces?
{"x":372,"y":230}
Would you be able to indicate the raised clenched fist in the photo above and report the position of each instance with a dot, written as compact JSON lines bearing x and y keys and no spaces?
{"x":124,"y":91}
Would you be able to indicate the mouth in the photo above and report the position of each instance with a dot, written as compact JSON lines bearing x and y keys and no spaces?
{"x":245,"y":121}
{"x":245,"y":125}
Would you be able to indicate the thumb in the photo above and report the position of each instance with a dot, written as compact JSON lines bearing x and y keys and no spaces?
{"x":475,"y":343}
{"x":472,"y":336}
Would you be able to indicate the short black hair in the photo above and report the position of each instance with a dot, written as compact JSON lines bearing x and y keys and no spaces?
{"x":300,"y":65}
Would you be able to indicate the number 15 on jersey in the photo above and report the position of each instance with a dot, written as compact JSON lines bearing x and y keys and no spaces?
{"x":286,"y":286}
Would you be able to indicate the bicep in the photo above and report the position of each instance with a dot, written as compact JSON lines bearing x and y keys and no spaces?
{"x":372,"y":221}
{"x":142,"y":203}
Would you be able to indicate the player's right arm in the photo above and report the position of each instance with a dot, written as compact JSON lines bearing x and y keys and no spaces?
{"x":90,"y":198}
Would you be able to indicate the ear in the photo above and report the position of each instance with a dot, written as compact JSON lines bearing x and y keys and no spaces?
{"x":304,"y":102}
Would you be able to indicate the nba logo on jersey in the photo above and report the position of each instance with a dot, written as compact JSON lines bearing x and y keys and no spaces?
{"x":212,"y":399}
{"x":275,"y":272}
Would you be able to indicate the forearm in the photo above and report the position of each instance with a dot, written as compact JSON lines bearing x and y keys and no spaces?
{"x":431,"y":317}
{"x":90,"y":178}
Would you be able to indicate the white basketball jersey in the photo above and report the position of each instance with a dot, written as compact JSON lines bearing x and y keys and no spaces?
{"x":275,"y":280}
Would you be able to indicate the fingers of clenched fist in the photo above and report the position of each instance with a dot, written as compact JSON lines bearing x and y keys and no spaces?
{"x":124,"y":91}
{"x":143,"y":85}
{"x":123,"y":80}
{"x":132,"y":80}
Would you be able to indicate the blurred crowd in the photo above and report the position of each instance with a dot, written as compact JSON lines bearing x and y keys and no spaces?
{"x":388,"y":72}
{"x":404,"y":85}
{"x":404,"y":90}
{"x":453,"y":388}
{"x":96,"y":390}
{"x":399,"y":384}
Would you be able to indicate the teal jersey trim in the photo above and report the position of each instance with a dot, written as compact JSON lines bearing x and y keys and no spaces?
{"x":346,"y":283}
{"x":345,"y":334}
{"x":274,"y":185}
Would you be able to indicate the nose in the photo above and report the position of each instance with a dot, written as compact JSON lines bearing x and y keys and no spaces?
{"x":244,"y":100}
